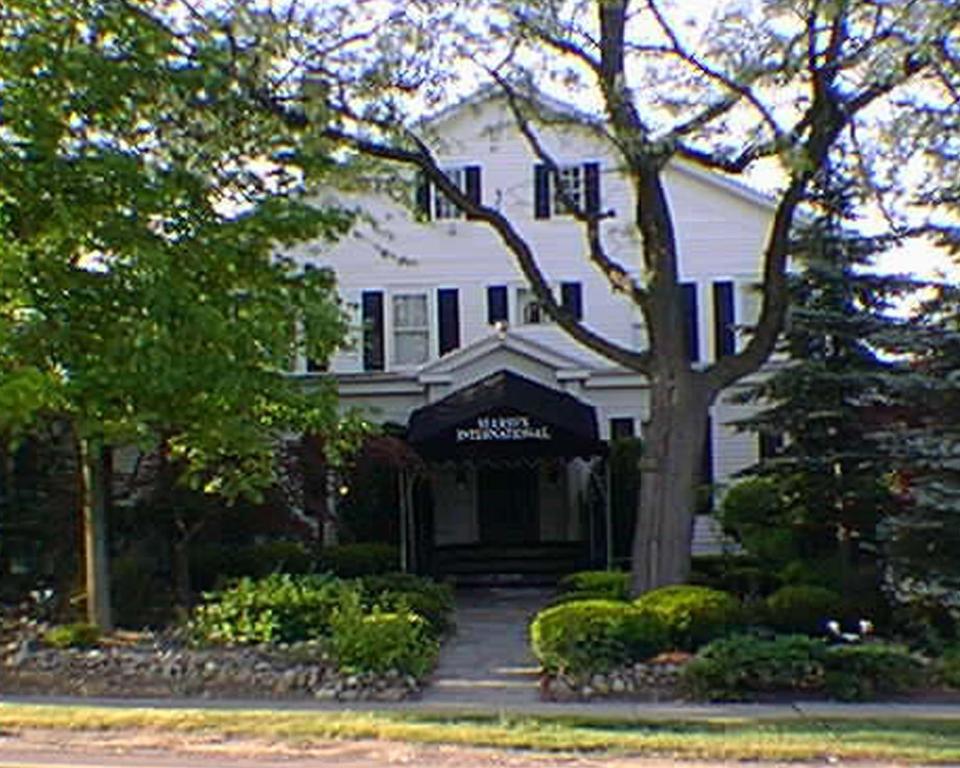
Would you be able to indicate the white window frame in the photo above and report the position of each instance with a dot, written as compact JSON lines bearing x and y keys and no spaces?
{"x":444,"y":209}
{"x":424,"y":330}
{"x":570,"y":179}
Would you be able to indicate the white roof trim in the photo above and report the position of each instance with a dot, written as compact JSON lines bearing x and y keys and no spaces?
{"x":495,"y":341}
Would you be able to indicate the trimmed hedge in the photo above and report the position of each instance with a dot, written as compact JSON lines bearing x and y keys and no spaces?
{"x":594,"y":636}
{"x":802,"y":608}
{"x":692,"y":615}
{"x":862,"y":672}
{"x":744,"y":667}
{"x":740,"y":667}
{"x":365,"y":559}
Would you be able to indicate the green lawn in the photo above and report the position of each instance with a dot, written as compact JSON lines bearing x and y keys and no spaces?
{"x":917,"y":741}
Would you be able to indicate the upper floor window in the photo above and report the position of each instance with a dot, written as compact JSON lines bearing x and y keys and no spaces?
{"x":433,"y":204}
{"x":572,"y":188}
{"x":530,"y":309}
{"x":569,"y":189}
{"x":411,"y":329}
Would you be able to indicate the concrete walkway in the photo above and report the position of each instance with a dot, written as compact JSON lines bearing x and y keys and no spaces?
{"x":488,"y":660}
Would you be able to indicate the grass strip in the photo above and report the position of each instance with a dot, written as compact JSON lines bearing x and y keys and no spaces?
{"x":902,"y":740}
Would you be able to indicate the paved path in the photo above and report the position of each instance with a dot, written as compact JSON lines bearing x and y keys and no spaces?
{"x":488,"y":661}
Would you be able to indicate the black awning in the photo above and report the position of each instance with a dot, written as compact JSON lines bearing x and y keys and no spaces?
{"x":504,"y":416}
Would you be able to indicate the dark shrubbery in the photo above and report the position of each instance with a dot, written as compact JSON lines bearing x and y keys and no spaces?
{"x":426,"y":598}
{"x":861,"y":672}
{"x":691,"y":615}
{"x":802,"y":608}
{"x":593,"y":636}
{"x":352,"y":560}
{"x":744,"y":667}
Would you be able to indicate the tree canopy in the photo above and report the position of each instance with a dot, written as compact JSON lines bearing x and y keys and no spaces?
{"x":142,"y":205}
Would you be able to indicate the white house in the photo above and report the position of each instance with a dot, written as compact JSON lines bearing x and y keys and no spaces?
{"x":509,"y":412}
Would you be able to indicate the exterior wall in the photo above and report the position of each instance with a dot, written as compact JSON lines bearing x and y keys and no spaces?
{"x":721,"y":228}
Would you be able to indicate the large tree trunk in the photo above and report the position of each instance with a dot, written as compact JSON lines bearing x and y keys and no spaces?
{"x":672,"y":451}
{"x":93,"y":479}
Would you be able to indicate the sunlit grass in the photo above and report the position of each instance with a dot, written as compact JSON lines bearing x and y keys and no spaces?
{"x":917,"y":741}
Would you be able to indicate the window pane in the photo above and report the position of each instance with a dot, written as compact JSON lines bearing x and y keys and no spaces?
{"x":444,"y":207}
{"x":570,"y":182}
{"x":410,"y":311}
{"x":410,"y":348}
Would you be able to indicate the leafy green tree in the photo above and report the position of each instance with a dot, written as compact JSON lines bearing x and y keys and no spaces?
{"x":782,"y":82}
{"x":142,"y":203}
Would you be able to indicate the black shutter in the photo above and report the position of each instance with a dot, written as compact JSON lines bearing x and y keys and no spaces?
{"x":571,"y":299}
{"x":541,"y":192}
{"x":471,"y":174}
{"x":690,"y":315}
{"x":591,"y":184}
{"x":423,"y":196}
{"x":705,"y":490}
{"x":448,"y":318}
{"x":497,"y":304}
{"x":724,"y":338}
{"x":372,"y":315}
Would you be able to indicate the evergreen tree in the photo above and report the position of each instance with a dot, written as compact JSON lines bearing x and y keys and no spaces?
{"x":923,"y":540}
{"x":826,"y":479}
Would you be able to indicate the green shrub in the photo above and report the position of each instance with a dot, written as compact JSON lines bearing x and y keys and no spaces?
{"x":613,"y":585}
{"x":593,"y":636}
{"x":580,"y":596}
{"x":948,"y":666}
{"x":742,"y":666}
{"x":740,"y":575}
{"x":213,"y":564}
{"x":692,"y":615}
{"x":801,"y":608}
{"x":425,"y":597}
{"x":279,"y":608}
{"x":78,"y":635}
{"x":861,"y":672}
{"x":352,"y":560}
{"x":377,"y":642}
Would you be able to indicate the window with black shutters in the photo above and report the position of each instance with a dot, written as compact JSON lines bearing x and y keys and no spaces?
{"x":622,"y":428}
{"x":433,"y":204}
{"x":448,"y":319}
{"x":724,"y":322}
{"x":573,"y":188}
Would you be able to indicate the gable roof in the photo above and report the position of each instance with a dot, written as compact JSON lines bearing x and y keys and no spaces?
{"x":726,"y":182}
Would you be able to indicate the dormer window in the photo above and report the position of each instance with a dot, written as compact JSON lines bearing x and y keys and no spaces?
{"x":435,"y":206}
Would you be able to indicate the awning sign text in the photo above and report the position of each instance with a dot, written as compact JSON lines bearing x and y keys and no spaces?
{"x":503,"y":428}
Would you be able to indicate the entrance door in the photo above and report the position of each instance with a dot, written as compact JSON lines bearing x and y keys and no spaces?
{"x":508,"y":505}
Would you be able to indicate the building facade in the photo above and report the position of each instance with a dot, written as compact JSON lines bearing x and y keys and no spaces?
{"x":512,"y":416}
